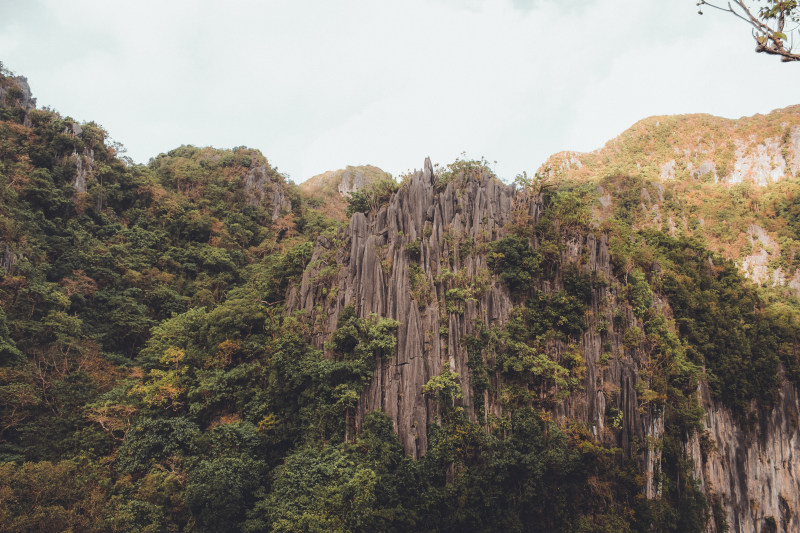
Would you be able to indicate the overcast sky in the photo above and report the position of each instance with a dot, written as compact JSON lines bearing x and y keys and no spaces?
{"x":318,"y":85}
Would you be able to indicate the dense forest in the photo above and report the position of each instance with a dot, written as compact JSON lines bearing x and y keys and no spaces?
{"x":153,"y":377}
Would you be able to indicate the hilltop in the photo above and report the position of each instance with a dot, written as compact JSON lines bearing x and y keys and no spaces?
{"x":733,"y":184}
{"x":329,"y":191}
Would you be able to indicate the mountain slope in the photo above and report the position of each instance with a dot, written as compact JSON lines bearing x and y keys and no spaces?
{"x":520,"y":301}
{"x":731,"y":183}
{"x":198,"y":345}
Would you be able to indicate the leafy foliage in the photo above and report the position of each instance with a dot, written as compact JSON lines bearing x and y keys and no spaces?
{"x":516,"y":262}
{"x":152,"y":380}
{"x":371,"y":196}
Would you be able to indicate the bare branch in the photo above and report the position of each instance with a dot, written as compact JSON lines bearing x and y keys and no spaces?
{"x":767,"y":24}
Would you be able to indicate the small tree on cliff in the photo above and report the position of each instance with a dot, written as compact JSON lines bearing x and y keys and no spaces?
{"x":773,"y":23}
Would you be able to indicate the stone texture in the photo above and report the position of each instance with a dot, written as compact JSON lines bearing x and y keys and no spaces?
{"x":761,"y":164}
{"x":753,"y":471}
{"x":442,"y":217}
{"x":668,"y":170}
{"x":706,"y":167}
{"x":261,"y":188}
{"x":84,"y":165}
{"x":25,"y":100}
{"x":794,"y":150}
{"x":353,"y":179}
{"x":756,"y":265}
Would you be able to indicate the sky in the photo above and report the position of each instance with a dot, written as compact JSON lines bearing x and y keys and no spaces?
{"x":319,"y":85}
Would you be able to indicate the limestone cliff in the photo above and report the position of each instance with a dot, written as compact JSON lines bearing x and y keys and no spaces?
{"x":754,"y":471}
{"x":703,"y":166}
{"x":262,"y":187}
{"x":398,"y":262}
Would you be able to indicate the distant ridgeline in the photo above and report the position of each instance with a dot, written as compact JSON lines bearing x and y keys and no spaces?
{"x":198,"y":344}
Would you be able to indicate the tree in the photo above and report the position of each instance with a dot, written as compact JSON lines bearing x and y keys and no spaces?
{"x":769,"y":19}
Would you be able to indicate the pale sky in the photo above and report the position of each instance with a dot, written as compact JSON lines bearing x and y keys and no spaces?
{"x":318,"y":85}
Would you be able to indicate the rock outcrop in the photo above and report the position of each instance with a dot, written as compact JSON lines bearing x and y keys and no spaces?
{"x":375,"y":276}
{"x":16,"y":93}
{"x":719,"y":158}
{"x":7,"y":258}
{"x":753,"y":472}
{"x":262,"y":188}
{"x":761,"y":164}
{"x":379,"y":274}
{"x":394,"y":262}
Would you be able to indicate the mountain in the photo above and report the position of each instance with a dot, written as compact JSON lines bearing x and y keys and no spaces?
{"x":331,"y":189}
{"x":730,"y":183}
{"x":197,"y":344}
{"x":525,"y":300}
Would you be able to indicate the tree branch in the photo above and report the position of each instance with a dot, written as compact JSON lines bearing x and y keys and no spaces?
{"x":769,"y":40}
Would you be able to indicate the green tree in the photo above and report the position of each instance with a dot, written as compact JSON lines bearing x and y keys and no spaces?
{"x":9,"y":354}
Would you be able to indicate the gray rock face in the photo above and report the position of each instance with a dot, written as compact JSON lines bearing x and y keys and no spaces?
{"x":84,"y":161}
{"x":84,"y":165}
{"x":261,"y":189}
{"x":352,"y":180}
{"x":756,"y":265}
{"x":762,"y":164}
{"x":752,"y":471}
{"x":19,"y":95}
{"x":706,"y":167}
{"x":794,"y":141}
{"x":7,"y":259}
{"x":668,"y":170}
{"x":375,"y":276}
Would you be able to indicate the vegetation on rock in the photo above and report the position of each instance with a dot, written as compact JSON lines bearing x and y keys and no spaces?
{"x":152,"y":379}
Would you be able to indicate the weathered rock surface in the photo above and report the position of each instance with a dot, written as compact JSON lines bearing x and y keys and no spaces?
{"x":261,"y":188}
{"x":706,"y":167}
{"x":84,"y":165}
{"x":374,"y":276}
{"x":18,"y":94}
{"x":761,"y":164}
{"x":753,"y":471}
{"x":794,"y":150}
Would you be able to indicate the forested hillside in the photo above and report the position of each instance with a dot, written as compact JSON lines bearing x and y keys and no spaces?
{"x":197,"y":344}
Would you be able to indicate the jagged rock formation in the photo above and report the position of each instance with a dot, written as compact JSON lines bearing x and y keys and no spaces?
{"x":17,"y":94}
{"x":392,"y":263}
{"x":374,"y":276}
